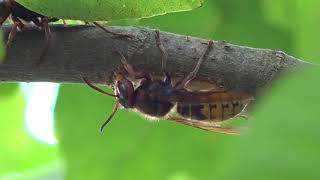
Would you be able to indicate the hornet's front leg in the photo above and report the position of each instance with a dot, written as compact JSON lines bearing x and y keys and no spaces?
{"x":139,"y":75}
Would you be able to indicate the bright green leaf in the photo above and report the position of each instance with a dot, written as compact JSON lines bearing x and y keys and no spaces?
{"x":95,"y":10}
{"x":179,"y":23}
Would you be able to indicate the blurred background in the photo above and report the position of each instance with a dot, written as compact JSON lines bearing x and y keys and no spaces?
{"x":51,"y":132}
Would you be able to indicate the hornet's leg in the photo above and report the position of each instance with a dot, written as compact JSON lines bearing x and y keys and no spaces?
{"x":108,"y":31}
{"x":163,"y":51}
{"x":164,"y":58}
{"x":182,"y":84}
{"x":129,"y":68}
{"x":12,"y":34}
{"x":47,"y":31}
{"x":16,"y":23}
{"x":207,"y":126}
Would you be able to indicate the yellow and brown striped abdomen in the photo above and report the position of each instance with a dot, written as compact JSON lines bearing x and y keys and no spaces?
{"x":224,"y":105}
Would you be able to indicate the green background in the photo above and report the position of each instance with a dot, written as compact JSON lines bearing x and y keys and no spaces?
{"x":282,"y":143}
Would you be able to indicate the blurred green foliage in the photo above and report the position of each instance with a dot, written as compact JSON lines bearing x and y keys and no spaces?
{"x":104,"y":10}
{"x":282,"y":139}
{"x":18,"y":151}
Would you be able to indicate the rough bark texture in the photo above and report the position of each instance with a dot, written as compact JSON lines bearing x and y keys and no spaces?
{"x":77,"y":51}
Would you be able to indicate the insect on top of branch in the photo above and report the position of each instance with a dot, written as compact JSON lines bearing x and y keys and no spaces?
{"x":21,"y":15}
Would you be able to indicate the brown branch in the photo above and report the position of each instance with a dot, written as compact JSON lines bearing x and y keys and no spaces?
{"x":77,"y":51}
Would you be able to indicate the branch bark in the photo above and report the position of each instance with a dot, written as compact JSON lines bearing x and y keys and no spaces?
{"x":77,"y":51}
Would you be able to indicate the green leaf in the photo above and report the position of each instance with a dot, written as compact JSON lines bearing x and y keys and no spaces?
{"x":95,"y":10}
{"x":179,"y":23}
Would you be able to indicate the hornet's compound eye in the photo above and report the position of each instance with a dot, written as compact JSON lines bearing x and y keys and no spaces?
{"x":122,"y":90}
{"x":125,"y":93}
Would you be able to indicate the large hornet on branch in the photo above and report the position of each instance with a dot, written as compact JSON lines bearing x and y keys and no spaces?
{"x":157,"y":98}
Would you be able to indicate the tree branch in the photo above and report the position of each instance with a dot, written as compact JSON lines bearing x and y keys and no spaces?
{"x":77,"y":51}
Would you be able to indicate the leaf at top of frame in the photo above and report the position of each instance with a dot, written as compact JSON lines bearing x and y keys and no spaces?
{"x":104,"y":10}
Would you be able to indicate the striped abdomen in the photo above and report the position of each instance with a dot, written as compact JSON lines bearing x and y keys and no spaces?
{"x":218,"y":110}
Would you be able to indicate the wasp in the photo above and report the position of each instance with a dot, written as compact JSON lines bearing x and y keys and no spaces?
{"x":158,"y":99}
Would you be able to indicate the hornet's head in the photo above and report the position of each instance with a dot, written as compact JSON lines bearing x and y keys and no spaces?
{"x":125,"y":91}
